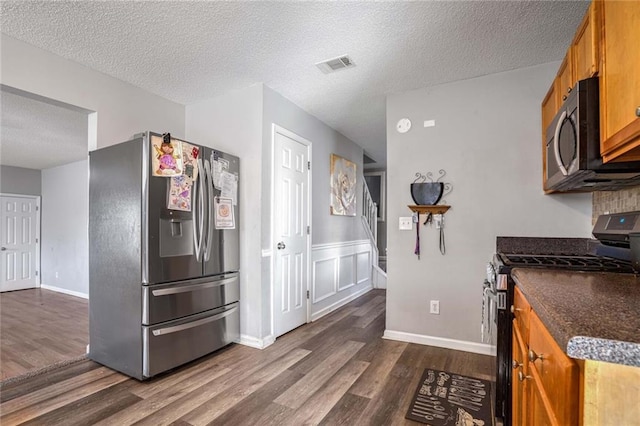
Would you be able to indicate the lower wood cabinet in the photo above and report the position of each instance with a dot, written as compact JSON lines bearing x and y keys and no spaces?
{"x":546,"y":382}
{"x":518,"y":381}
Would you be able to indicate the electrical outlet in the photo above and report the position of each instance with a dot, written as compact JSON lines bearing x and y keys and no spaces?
{"x":406,"y":224}
{"x":434,"y":307}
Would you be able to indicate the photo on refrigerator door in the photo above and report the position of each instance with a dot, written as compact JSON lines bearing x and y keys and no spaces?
{"x":167,"y":160}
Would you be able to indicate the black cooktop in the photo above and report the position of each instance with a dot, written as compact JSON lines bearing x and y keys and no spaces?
{"x":571,"y":262}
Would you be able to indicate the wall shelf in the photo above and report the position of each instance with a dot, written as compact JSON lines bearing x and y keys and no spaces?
{"x":425,"y":209}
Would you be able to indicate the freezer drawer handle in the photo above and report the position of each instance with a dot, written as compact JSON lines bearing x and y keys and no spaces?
{"x":190,"y":288}
{"x":182,"y":327}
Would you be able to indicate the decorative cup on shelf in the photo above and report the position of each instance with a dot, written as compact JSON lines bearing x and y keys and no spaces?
{"x":427,"y":193}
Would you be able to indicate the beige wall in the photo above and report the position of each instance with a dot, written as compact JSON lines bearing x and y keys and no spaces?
{"x":615,"y":201}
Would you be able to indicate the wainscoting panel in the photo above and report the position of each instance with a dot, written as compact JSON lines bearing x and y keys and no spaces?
{"x":346,"y":271}
{"x":323,"y":283}
{"x":340,"y":273}
{"x":364,"y":266}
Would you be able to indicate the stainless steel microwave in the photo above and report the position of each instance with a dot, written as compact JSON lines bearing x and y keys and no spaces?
{"x":573,"y":147}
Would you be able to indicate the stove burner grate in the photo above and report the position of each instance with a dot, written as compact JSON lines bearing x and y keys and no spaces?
{"x":577,"y":263}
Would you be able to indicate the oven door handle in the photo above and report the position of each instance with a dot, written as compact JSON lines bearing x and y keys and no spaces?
{"x":556,"y":143}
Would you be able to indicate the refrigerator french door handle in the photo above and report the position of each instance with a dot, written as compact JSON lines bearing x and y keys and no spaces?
{"x":202,"y":213}
{"x":207,"y":248}
{"x":182,"y":327}
{"x":204,"y":209}
{"x":196,"y":211}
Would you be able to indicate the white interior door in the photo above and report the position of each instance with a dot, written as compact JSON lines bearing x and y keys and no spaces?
{"x":19,"y":234}
{"x":291,"y":232}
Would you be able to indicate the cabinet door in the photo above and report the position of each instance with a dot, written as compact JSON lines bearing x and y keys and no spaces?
{"x":557,"y":375}
{"x":518,"y":386}
{"x":564,"y":80}
{"x":539,"y":413}
{"x":521,"y":313}
{"x":620,"y":81}
{"x":549,"y":109}
{"x":585,"y":44}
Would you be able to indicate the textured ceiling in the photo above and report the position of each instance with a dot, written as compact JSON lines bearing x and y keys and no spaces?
{"x":189,"y":51}
{"x":39,"y":135}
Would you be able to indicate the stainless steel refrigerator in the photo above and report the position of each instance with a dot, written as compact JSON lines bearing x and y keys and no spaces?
{"x":164,"y":284}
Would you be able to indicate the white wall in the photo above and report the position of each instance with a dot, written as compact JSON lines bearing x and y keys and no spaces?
{"x":337,"y":251}
{"x":326,"y":141}
{"x":18,"y":180}
{"x":240,"y":123}
{"x":64,"y":228}
{"x":233,"y":123}
{"x":122,"y":109}
{"x":487,"y":138}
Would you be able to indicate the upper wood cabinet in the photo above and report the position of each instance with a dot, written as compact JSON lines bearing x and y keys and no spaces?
{"x":620,"y":81}
{"x":564,"y":81}
{"x":585,"y":46}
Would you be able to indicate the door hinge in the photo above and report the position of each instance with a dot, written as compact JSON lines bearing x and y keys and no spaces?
{"x":308,"y":165}
{"x":308,"y":230}
{"x":307,"y":294}
{"x":36,"y":240}
{"x":37,"y":208}
{"x":36,"y":273}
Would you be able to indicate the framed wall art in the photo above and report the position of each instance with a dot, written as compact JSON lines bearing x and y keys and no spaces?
{"x":343,"y":186}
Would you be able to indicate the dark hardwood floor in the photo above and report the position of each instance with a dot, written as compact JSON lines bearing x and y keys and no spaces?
{"x":39,"y":328}
{"x":337,"y":370}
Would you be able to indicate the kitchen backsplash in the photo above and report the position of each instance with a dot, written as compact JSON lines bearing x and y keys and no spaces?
{"x":625,"y":200}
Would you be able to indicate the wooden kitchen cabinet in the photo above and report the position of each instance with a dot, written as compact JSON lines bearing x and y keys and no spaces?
{"x":620,"y":81}
{"x":521,"y":313}
{"x":585,"y":46}
{"x":556,"y":375}
{"x":564,"y":81}
{"x":518,"y":387}
{"x":545,"y":381}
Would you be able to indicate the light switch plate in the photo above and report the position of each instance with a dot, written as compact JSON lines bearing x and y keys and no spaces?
{"x":406,"y":223}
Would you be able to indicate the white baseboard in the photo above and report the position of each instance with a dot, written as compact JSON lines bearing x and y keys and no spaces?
{"x":254,"y":342}
{"x":441,"y":342}
{"x":339,"y":303}
{"x":65,"y":291}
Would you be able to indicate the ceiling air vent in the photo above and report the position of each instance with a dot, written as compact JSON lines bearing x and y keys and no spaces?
{"x":335,"y":64}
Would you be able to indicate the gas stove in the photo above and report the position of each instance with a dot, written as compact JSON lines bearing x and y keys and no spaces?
{"x":610,"y":252}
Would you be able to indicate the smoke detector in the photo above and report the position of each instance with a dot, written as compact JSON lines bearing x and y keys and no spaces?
{"x":335,"y":64}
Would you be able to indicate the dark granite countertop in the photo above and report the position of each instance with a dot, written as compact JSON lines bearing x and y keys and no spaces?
{"x":591,"y":315}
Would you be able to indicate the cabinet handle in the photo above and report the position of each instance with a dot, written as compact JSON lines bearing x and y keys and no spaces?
{"x":534,"y":356}
{"x":569,"y":90}
{"x":638,"y":112}
{"x":564,"y":97}
{"x":513,"y":309}
{"x":522,"y":377}
{"x":515,"y":364}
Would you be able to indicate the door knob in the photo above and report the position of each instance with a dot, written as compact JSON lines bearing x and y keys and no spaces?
{"x":3,"y":248}
{"x":638,"y":112}
{"x":281,"y":246}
